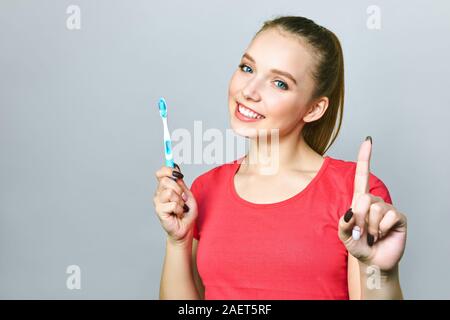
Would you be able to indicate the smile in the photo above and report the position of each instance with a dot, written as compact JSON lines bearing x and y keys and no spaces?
{"x":247,"y":114}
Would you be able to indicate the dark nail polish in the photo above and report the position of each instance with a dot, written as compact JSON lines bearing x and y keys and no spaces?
{"x":369,"y":138}
{"x":177,"y":166}
{"x":185,"y":208}
{"x":173,"y":178}
{"x":370,"y":239}
{"x":348,"y":215}
{"x":177,"y":174}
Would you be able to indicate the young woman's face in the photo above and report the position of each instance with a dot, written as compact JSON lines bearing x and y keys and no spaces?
{"x":278,"y":100}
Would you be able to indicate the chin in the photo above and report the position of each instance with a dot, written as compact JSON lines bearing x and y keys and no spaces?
{"x":243,"y":130}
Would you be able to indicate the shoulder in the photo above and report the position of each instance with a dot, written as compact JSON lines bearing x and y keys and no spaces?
{"x":344,"y":172}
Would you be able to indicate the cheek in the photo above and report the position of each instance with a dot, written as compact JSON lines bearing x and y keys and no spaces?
{"x":282,"y":108}
{"x":232,"y":93}
{"x":234,"y":85}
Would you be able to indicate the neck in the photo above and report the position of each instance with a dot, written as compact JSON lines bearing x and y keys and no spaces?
{"x":271,"y":155}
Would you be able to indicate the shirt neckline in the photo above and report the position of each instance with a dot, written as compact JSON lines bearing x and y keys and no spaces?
{"x":235,"y":167}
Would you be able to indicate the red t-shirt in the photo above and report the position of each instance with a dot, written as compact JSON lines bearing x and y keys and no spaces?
{"x":283,"y":250}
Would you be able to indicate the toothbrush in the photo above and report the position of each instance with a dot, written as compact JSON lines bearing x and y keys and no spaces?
{"x":167,"y":141}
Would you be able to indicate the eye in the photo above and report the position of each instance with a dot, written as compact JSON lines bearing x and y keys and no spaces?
{"x":284,"y":85}
{"x":242,"y":66}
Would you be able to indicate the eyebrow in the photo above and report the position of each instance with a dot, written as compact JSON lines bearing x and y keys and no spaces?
{"x":283,"y":73}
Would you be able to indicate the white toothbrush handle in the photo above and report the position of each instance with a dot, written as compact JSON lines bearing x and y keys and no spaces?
{"x":167,"y":145}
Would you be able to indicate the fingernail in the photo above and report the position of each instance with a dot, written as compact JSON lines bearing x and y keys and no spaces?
{"x":369,"y":138}
{"x":185,"y":208}
{"x":348,"y":215}
{"x":370,"y":239}
{"x":177,"y":174}
{"x":356,"y":233}
{"x":184,"y":196}
{"x":177,"y":166}
{"x":173,"y":178}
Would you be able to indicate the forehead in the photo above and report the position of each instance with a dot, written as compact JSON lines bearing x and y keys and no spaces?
{"x":274,"y":49}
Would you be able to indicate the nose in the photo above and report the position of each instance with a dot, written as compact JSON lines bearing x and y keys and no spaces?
{"x":250,"y":91}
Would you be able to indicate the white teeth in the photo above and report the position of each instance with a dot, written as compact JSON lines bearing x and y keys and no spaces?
{"x":249,"y":113}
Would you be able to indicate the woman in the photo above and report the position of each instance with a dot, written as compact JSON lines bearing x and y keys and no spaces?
{"x":311,"y":227}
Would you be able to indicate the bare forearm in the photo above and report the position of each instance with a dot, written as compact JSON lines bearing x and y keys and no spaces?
{"x":379,"y":285}
{"x":177,"y":281}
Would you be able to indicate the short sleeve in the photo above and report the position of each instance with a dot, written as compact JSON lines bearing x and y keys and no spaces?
{"x":196,"y":191}
{"x":378,"y":188}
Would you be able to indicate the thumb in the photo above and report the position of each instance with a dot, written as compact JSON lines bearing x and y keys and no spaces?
{"x":346,"y":225}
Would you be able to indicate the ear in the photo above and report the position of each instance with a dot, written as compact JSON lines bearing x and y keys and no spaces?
{"x":317,"y":110}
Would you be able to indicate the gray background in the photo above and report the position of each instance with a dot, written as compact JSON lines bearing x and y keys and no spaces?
{"x":81,"y":137}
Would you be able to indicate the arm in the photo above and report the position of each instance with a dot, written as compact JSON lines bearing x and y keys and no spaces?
{"x":379,"y":285}
{"x":368,"y":284}
{"x":374,"y":234}
{"x":172,"y":201}
{"x":353,"y":278}
{"x":177,"y":279}
{"x":198,"y":280}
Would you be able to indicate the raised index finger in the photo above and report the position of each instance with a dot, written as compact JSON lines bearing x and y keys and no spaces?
{"x":362,"y":173}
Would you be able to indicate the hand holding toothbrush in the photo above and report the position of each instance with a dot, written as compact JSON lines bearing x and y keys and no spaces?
{"x":174,"y":203}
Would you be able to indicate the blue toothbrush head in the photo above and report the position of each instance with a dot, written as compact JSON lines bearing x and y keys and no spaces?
{"x":162,"y":108}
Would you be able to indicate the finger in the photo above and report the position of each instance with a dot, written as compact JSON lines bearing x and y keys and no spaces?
{"x":392,"y":220}
{"x":346,"y":224}
{"x":169,"y":195}
{"x":165,"y":183}
{"x":178,"y":186}
{"x":362,"y":171}
{"x":361,"y":211}
{"x":164,"y":171}
{"x":176,"y":176}
{"x":171,"y":208}
{"x":186,"y":192}
{"x":172,"y":173}
{"x":376,"y":214}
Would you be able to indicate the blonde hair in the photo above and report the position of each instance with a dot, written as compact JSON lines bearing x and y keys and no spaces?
{"x":328,"y":75}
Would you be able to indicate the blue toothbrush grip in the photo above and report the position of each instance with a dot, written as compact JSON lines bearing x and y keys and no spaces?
{"x":168,"y":153}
